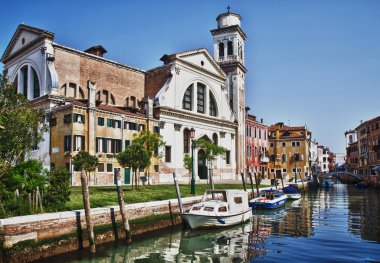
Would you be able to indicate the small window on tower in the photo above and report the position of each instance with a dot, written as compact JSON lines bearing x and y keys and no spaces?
{"x":202,"y":63}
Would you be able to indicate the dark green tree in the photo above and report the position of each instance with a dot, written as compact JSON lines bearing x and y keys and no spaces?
{"x":150,"y":142}
{"x":134,"y":157}
{"x":57,"y":193}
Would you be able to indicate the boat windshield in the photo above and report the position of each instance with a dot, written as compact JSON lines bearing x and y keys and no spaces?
{"x":214,"y":195}
{"x":270,"y":194}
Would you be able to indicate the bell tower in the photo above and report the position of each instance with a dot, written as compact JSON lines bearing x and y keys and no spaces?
{"x":229,"y":41}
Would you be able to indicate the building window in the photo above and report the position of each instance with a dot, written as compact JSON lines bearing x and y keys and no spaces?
{"x":109,"y":167}
{"x":259,"y":133}
{"x":296,"y":144}
{"x":36,"y":85}
{"x":156,"y":129}
{"x":221,"y":50}
{"x":67,"y":118}
{"x":272,"y":158}
{"x":215,"y":138}
{"x":131,"y":126}
{"x":187,"y":101}
{"x":228,"y":157}
{"x":284,"y":170}
{"x":127,"y":143}
{"x":141,"y":127}
{"x":271,"y":144}
{"x":100,"y":121}
{"x":272,"y":170}
{"x":53,"y":122}
{"x":186,"y":140}
{"x":24,"y":78}
{"x":265,"y":134}
{"x":168,"y":154}
{"x":101,"y":167}
{"x":284,"y":158}
{"x":201,"y":98}
{"x":79,"y":143}
{"x":230,"y":48}
{"x":283,"y":144}
{"x":255,"y":132}
{"x":212,"y":105}
{"x":67,"y":143}
{"x":113,"y":123}
{"x":79,"y":118}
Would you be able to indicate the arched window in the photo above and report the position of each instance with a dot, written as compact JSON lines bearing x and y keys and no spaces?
{"x":272,"y":158}
{"x":201,"y":98}
{"x":255,"y":132}
{"x":186,"y":140}
{"x":221,"y":50}
{"x":28,"y":85}
{"x":230,"y":48}
{"x":187,"y":101}
{"x":284,"y":158}
{"x":36,"y":85}
{"x":215,"y":138}
{"x":212,"y":105}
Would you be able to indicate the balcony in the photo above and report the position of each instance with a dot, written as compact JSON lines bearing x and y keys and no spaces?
{"x":227,"y":59}
{"x":264,"y":159}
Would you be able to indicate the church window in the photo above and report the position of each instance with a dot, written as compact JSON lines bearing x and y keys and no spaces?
{"x":221,"y":50}
{"x":188,"y":98}
{"x":201,"y":98}
{"x":229,"y":48}
{"x":215,"y":138}
{"x":212,"y":105}
{"x":186,"y":140}
{"x":36,"y":85}
{"x":24,"y":74}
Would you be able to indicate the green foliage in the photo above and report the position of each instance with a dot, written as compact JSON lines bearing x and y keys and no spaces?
{"x":24,"y":177}
{"x":23,"y":126}
{"x":149,"y":141}
{"x":212,"y":151}
{"x":58,"y":190}
{"x":135,"y":156}
{"x":86,"y":161}
{"x":187,"y":163}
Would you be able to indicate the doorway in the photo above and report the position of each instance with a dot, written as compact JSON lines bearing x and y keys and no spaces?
{"x":202,"y":167}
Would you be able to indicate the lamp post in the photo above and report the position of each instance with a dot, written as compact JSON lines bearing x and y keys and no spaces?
{"x":192,"y":136}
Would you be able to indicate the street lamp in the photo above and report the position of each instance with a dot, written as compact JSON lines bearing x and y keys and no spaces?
{"x":192,"y":136}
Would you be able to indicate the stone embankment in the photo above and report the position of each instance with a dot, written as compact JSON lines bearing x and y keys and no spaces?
{"x":28,"y":238}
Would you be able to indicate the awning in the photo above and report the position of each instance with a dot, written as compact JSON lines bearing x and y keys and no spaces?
{"x":376,"y":168}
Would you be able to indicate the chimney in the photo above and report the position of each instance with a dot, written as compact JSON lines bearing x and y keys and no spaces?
{"x":262,"y":120}
{"x":97,"y":50}
{"x":91,"y":94}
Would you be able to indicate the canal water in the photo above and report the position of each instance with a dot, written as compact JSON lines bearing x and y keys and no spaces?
{"x":341,"y":224}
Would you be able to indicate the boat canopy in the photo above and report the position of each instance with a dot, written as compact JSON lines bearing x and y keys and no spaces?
{"x":290,"y":190}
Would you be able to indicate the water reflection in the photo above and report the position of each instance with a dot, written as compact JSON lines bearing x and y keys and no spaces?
{"x":324,"y":226}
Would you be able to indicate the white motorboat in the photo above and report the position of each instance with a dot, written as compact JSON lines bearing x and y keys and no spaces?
{"x":292,"y":193}
{"x":268,"y":199}
{"x":219,"y":208}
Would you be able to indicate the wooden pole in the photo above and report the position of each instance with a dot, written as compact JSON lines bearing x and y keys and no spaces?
{"x":250,"y":178}
{"x":257,"y":185}
{"x":123,"y":213}
{"x":282,"y":180}
{"x":242,"y":178}
{"x":87,"y":212}
{"x":178,"y":193}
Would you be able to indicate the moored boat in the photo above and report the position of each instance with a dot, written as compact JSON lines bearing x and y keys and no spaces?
{"x":219,"y":208}
{"x":291,"y":193}
{"x":268,"y":199}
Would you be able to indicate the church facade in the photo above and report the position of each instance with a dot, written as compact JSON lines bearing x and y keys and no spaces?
{"x":97,"y":105}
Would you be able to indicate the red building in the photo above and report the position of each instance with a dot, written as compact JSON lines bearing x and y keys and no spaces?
{"x":257,"y":143}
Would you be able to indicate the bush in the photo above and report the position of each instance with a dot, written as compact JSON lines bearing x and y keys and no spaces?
{"x":58,"y":190}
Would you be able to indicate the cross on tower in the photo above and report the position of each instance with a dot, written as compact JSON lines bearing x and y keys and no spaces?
{"x":228,"y":8}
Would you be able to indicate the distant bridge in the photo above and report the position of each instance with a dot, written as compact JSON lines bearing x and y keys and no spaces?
{"x":337,"y":175}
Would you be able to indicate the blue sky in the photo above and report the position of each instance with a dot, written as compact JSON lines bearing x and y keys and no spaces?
{"x":309,"y":62}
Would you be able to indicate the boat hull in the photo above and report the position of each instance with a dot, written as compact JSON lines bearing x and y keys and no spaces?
{"x":271,"y":204}
{"x":293,"y":196}
{"x":199,"y":221}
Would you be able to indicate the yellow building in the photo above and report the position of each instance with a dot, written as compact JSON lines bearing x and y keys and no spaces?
{"x":102,"y":130}
{"x":288,"y":151}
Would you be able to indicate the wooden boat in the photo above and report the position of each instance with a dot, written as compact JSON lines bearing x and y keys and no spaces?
{"x":327,"y":182}
{"x":291,"y":193}
{"x":268,"y":199}
{"x":219,"y":208}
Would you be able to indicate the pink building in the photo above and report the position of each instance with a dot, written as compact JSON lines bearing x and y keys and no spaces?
{"x":256,"y":143}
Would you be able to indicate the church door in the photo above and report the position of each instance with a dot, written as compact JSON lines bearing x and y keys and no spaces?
{"x":202,"y":168}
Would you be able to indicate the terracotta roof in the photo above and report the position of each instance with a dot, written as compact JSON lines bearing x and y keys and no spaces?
{"x":286,"y":128}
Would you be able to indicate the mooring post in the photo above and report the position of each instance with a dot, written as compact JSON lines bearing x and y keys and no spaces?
{"x":242,"y":178}
{"x":250,"y":179}
{"x":178,"y":193}
{"x":257,"y":185}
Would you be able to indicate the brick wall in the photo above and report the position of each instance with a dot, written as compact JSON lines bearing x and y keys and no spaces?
{"x":78,"y":68}
{"x":155,"y":80}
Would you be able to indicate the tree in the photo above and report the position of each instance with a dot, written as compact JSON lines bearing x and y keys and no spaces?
{"x":86,"y":163}
{"x":23,"y":126}
{"x":58,"y":190}
{"x":134,"y":157}
{"x":212,"y":151}
{"x":150,"y":142}
{"x":187,"y":163}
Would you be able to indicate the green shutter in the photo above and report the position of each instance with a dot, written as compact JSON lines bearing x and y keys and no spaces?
{"x":104,"y":145}
{"x":112,"y":145}
{"x":83,"y":143}
{"x":120,"y":145}
{"x":97,"y":144}
{"x":127,"y":175}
